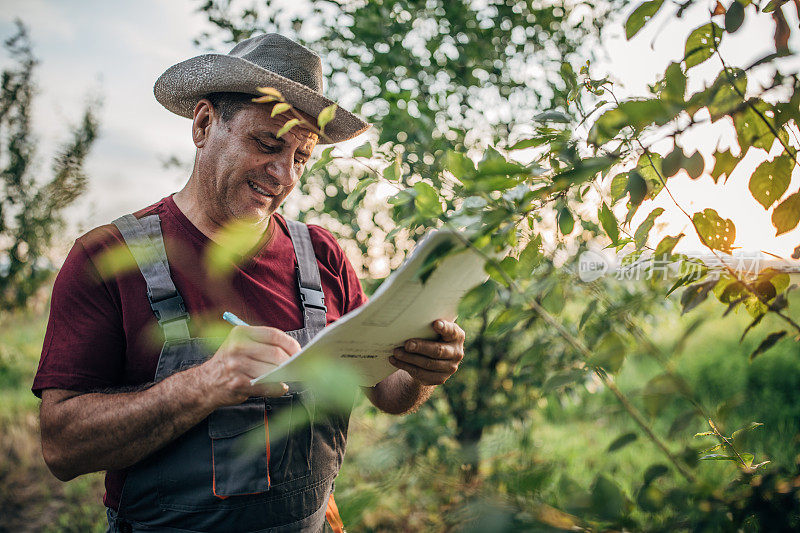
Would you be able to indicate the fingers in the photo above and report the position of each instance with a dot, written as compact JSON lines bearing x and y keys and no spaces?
{"x":424,"y":369}
{"x":435,"y":349}
{"x":267,"y":345}
{"x":270,"y":390}
{"x":448,"y":330}
{"x":425,"y":362}
{"x":267,"y":335}
{"x":432,"y":362}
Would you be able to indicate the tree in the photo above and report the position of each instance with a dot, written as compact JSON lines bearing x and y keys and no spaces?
{"x":534,"y":175}
{"x":438,"y":78}
{"x":31,"y":211}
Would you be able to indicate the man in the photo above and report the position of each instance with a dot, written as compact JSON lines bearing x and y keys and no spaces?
{"x":130,"y":381}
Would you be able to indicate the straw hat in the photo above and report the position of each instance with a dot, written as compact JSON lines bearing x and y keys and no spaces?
{"x":268,"y":60}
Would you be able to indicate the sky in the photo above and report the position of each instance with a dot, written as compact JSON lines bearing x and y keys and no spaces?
{"x":118,"y":49}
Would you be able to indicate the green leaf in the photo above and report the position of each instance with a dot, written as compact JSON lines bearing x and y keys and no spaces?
{"x":665,"y":247}
{"x":654,"y":472}
{"x":772,"y":5}
{"x":530,"y":257}
{"x":643,"y":231}
{"x":651,"y":169}
{"x":701,"y":43}
{"x":324,"y":158}
{"x":734,"y":17}
{"x":460,"y":165}
{"x":433,"y":259}
{"x":506,"y":321}
{"x":477,"y":299}
{"x":716,"y":232}
{"x":696,"y":294}
{"x":637,"y":114}
{"x":587,"y":313}
{"x":719,"y":457}
{"x":427,"y":200}
{"x":673,"y":162}
{"x":771,"y":179}
{"x":739,"y":433}
{"x":750,"y":127}
{"x":561,"y":379}
{"x":636,"y":187}
{"x":650,"y":498}
{"x":608,"y":501}
{"x":582,"y":171}
{"x":724,"y":163}
{"x":659,"y":392}
{"x":355,"y":196}
{"x":640,"y":16}
{"x":565,"y":221}
{"x":681,"y":422}
{"x":674,"y":88}
{"x":529,"y":143}
{"x":610,"y":351}
{"x":326,"y":115}
{"x":498,"y":167}
{"x":787,"y":214}
{"x":725,"y":94}
{"x":553,"y":116}
{"x":365,"y":150}
{"x":767,"y":343}
{"x":609,"y":223}
{"x":622,"y":441}
{"x":694,"y":165}
{"x":279,"y":108}
{"x":287,"y":126}
{"x":394,"y":170}
{"x":619,"y":185}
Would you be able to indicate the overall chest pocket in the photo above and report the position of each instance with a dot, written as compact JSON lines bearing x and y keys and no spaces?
{"x":260,"y":444}
{"x":240,"y":449}
{"x":291,"y":436}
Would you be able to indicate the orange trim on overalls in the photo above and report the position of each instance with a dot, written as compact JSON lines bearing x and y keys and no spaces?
{"x":214,"y":469}
{"x":266,"y":431}
{"x":332,"y":516}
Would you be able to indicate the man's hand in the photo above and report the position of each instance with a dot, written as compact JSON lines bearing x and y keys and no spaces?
{"x":432,"y":362}
{"x":247,"y":352}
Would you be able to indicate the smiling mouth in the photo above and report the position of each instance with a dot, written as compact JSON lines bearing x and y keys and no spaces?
{"x":259,"y":190}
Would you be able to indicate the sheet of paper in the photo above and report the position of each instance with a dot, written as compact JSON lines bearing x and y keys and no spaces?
{"x":403,"y":307}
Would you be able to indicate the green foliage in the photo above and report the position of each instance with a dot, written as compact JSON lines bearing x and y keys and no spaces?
{"x":640,"y":16}
{"x":31,"y":210}
{"x":771,"y":179}
{"x":534,"y":335}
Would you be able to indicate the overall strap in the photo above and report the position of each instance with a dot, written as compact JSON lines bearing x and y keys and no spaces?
{"x":146,"y":243}
{"x":312,"y":298}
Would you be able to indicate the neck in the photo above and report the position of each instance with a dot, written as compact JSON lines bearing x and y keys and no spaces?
{"x":215,"y":226}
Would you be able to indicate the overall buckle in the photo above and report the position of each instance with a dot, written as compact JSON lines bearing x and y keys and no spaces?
{"x":169,"y":308}
{"x":312,"y":298}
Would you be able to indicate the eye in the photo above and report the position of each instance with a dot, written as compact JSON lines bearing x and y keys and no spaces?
{"x":266,"y":147}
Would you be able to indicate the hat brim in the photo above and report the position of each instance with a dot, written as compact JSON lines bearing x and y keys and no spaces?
{"x":181,"y":86}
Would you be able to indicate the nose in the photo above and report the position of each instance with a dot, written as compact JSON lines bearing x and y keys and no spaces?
{"x":282,"y":168}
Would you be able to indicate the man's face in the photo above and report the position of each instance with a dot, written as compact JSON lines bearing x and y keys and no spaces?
{"x":245,"y":170}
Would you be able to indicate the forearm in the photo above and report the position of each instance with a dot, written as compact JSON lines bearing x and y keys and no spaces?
{"x":99,"y":431}
{"x":399,"y":393}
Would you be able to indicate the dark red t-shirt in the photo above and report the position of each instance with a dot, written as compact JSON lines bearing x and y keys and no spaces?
{"x":102,"y":333}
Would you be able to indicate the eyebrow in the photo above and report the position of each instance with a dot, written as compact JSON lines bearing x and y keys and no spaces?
{"x":272,"y":137}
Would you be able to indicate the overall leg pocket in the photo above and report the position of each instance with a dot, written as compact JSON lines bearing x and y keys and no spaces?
{"x":240,"y":449}
{"x":291,"y":430}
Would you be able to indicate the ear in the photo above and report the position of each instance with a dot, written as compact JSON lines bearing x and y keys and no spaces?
{"x":204,"y":115}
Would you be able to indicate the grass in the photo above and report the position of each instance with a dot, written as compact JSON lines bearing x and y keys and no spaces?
{"x":553,"y":456}
{"x":31,"y":499}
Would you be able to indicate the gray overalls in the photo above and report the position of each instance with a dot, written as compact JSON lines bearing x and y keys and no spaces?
{"x":226,"y":473}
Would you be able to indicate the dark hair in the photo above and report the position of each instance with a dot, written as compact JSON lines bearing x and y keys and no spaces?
{"x":228,"y":104}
